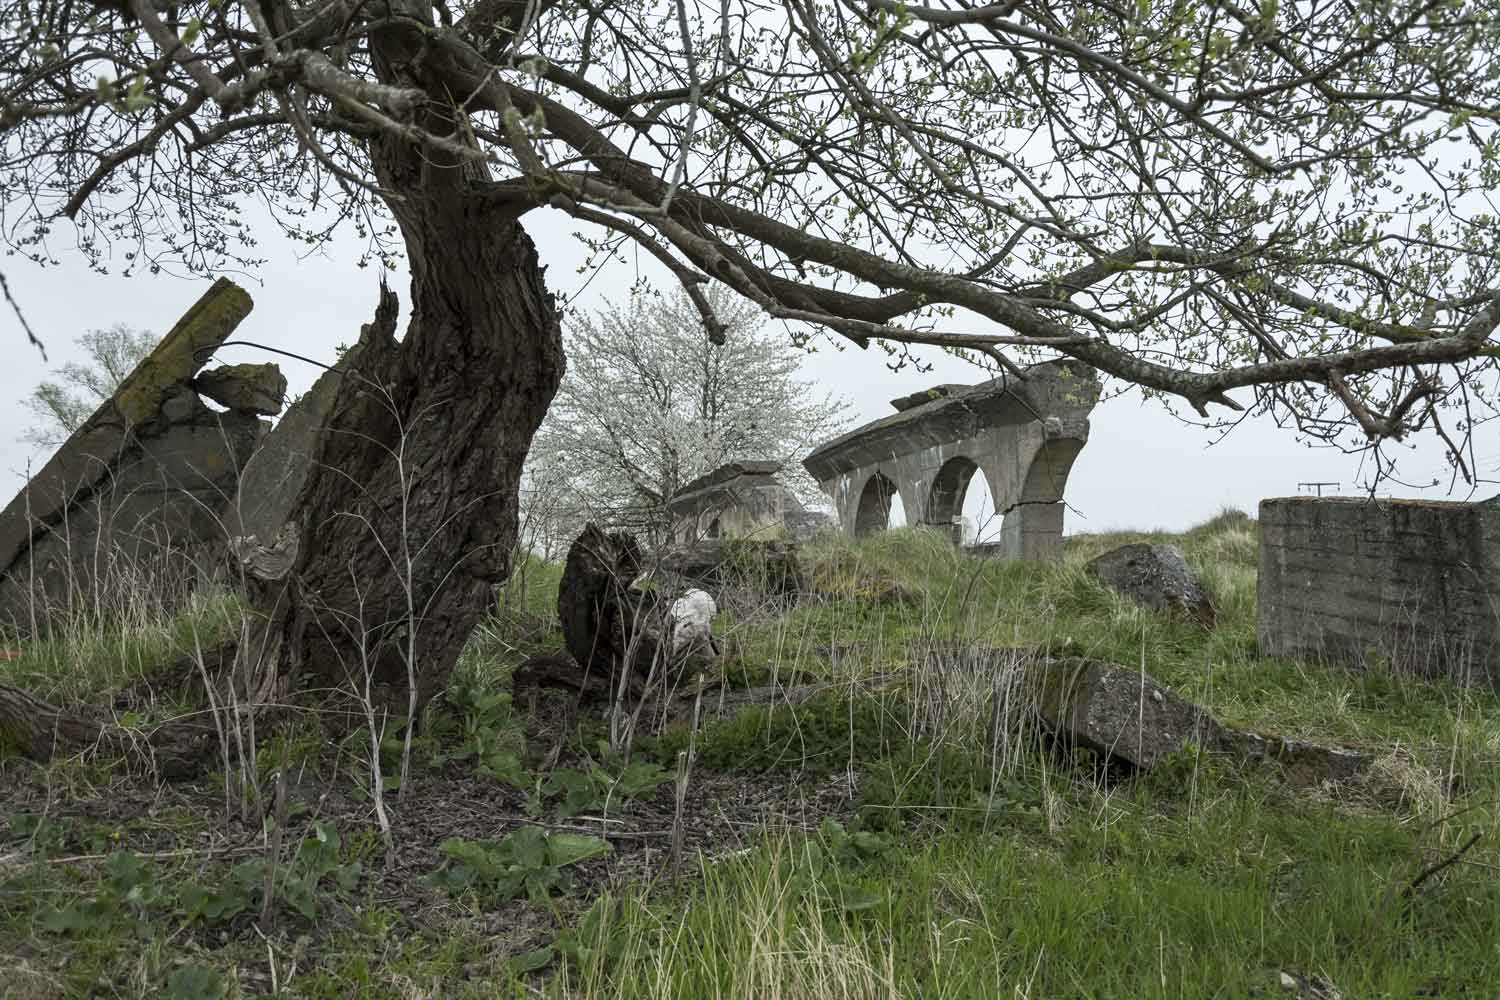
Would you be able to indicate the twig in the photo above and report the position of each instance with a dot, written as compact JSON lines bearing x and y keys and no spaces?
{"x":684,"y":776}
{"x":607,"y":834}
{"x":1447,"y":862}
{"x":273,"y":848}
{"x":16,"y":307}
{"x":186,"y":852}
{"x":578,"y":828}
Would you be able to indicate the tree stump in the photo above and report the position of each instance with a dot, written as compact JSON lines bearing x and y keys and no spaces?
{"x":609,"y":628}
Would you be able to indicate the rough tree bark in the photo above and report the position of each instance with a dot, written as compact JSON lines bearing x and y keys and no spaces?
{"x":407,"y":519}
{"x":608,"y":628}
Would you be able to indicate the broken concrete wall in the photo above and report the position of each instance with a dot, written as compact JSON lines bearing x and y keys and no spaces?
{"x":741,"y":500}
{"x":137,"y":491}
{"x":1406,"y":585}
{"x":1022,"y":436}
{"x":271,"y":482}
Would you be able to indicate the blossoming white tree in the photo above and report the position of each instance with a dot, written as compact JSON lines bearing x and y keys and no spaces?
{"x":650,"y":403}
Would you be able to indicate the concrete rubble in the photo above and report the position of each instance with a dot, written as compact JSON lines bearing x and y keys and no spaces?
{"x":259,"y":389}
{"x":1132,"y":719}
{"x":1122,"y":713}
{"x":768,"y":567}
{"x":1156,"y":577}
{"x":136,"y":493}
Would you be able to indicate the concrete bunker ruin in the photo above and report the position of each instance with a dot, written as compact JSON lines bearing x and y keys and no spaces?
{"x":1021,"y":435}
{"x":1410,"y":586}
{"x":740,"y":500}
{"x":137,"y":493}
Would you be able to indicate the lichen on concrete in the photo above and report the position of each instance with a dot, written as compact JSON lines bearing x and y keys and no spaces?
{"x":136,"y":491}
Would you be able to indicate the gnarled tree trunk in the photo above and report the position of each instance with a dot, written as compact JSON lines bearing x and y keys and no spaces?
{"x":408,"y":515}
{"x":392,"y":544}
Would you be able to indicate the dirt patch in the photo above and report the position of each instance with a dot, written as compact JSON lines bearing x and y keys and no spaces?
{"x":184,"y":826}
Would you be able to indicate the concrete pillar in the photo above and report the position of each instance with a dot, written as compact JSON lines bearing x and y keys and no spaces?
{"x":1033,"y":532}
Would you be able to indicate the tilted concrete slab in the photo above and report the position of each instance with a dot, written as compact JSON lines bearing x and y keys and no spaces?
{"x":272,"y":482}
{"x":1022,"y":435}
{"x":742,"y":499}
{"x":146,"y":473}
{"x":725,"y":474}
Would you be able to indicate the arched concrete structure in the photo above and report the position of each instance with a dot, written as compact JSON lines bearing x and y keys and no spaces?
{"x":1023,"y":436}
{"x":1033,"y":524}
{"x":945,"y":502}
{"x":874,"y":511}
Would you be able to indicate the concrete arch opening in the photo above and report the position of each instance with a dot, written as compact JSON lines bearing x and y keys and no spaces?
{"x":897,"y":518}
{"x":874,"y":511}
{"x":981,"y":519}
{"x":961,"y":502}
{"x":1022,"y":433}
{"x":945,"y":502}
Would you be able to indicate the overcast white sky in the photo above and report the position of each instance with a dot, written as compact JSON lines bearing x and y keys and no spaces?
{"x":1142,"y":467}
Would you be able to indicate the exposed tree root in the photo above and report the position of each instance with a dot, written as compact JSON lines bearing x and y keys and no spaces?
{"x":41,"y":731}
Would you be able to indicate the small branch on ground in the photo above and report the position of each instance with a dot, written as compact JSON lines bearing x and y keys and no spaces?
{"x":173,"y":750}
{"x":1446,"y":863}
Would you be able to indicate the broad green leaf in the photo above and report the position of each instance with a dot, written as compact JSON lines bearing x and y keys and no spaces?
{"x":528,"y":846}
{"x":565,"y":849}
{"x":531,"y":961}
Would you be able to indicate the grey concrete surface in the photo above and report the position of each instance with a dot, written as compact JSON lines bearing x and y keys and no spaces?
{"x":1022,"y":435}
{"x":1411,"y":586}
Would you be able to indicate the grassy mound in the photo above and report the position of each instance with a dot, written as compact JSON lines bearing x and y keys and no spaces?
{"x":902,"y":830}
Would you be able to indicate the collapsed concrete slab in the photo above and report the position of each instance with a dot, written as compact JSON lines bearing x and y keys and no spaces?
{"x":1131,"y":719}
{"x":134,"y":493}
{"x":1024,"y":435}
{"x":257,"y":389}
{"x":1412,"y":586}
{"x":1119,"y":711}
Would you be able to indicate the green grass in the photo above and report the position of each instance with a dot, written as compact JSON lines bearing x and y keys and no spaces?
{"x":1121,"y":902}
{"x":972,"y":860}
{"x":1188,"y":883}
{"x":82,"y":659}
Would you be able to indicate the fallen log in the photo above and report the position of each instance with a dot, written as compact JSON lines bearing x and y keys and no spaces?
{"x":41,"y":731}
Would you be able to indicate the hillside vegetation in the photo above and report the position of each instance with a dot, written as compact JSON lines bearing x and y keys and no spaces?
{"x":871,"y":811}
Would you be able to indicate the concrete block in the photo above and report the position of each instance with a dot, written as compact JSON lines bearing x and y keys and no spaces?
{"x":1410,"y":586}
